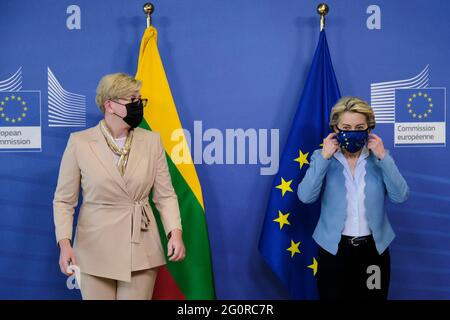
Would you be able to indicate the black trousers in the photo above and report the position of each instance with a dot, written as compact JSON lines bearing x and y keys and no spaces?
{"x":355,"y":272}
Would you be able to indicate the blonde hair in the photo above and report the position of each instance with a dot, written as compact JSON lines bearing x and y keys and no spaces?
{"x":114,"y":86}
{"x":352,"y":104}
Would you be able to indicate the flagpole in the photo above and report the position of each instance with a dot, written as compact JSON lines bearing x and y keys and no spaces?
{"x":322,"y":10}
{"x":148,"y":9}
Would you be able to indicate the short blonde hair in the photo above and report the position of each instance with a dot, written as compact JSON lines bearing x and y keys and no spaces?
{"x":114,"y":86}
{"x":352,"y":104}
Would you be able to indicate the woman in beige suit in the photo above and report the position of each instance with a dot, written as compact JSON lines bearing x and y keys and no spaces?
{"x":117,"y":244}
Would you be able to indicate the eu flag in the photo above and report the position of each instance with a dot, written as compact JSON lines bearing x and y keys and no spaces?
{"x":286,"y":241}
{"x":20,"y":109}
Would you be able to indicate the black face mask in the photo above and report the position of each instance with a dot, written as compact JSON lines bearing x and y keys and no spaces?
{"x":135,"y":113}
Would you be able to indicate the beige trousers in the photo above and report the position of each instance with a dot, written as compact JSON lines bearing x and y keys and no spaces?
{"x":140,"y":287}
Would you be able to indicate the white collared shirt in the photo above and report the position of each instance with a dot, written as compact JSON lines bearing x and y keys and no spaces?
{"x":356,"y":224}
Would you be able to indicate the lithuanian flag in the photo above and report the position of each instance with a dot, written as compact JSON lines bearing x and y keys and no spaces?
{"x":192,"y":278}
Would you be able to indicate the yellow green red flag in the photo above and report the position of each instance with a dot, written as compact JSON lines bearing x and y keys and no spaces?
{"x":192,"y":278}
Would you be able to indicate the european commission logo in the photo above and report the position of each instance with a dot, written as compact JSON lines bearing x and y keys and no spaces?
{"x":20,"y":112}
{"x":65,"y":109}
{"x":20,"y":121}
{"x":417,"y":111}
{"x":20,"y":116}
{"x":420,"y":117}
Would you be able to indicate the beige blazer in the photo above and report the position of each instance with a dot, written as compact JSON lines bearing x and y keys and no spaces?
{"x":116,"y":231}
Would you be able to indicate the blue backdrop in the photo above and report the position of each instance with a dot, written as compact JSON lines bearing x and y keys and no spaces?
{"x":231,"y":64}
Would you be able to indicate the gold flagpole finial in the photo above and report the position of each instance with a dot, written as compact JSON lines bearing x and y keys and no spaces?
{"x":322,"y":10}
{"x":148,"y":9}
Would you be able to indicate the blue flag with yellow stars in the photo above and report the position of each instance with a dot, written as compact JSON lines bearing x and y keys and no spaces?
{"x":286,"y":241}
{"x":20,"y":109}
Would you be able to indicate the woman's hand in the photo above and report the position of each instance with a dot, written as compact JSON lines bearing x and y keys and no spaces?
{"x":66,"y":256}
{"x":330,"y":146}
{"x":175,"y":247}
{"x":376,"y":145}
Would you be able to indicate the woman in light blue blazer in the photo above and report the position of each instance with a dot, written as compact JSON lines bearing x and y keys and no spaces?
{"x":352,"y":175}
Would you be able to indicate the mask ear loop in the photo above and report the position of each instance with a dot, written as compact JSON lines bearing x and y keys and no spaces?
{"x":114,"y":113}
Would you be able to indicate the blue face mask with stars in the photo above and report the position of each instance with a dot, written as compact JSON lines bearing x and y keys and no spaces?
{"x":352,"y":140}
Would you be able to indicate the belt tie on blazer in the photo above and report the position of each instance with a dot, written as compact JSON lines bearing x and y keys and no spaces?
{"x":141,"y":214}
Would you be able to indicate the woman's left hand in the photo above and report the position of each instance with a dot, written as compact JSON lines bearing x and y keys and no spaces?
{"x":175,"y":247}
{"x":376,"y":145}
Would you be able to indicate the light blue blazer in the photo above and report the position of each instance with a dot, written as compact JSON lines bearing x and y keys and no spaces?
{"x":325,"y":179}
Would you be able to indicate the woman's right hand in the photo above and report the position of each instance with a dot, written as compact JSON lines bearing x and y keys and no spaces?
{"x":330,"y":146}
{"x":66,"y":256}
